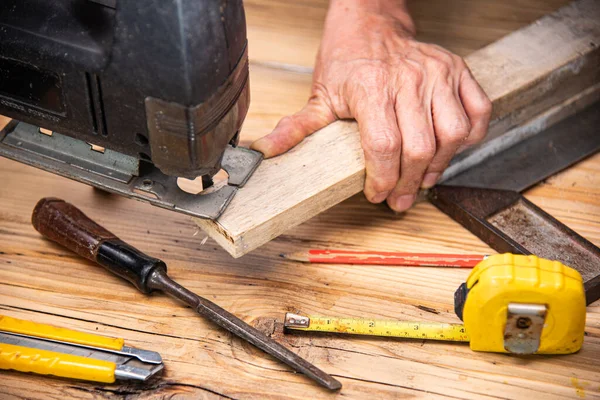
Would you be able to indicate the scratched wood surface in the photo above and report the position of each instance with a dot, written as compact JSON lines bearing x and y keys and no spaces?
{"x":42,"y":282}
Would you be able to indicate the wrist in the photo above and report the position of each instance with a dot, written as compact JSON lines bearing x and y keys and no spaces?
{"x":340,"y":11}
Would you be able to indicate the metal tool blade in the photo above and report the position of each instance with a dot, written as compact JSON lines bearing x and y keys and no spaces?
{"x":124,"y":175}
{"x":127,"y":367}
{"x":486,"y":199}
{"x":539,"y":157}
{"x":509,"y":223}
{"x":146,"y":356}
{"x":160,"y":281}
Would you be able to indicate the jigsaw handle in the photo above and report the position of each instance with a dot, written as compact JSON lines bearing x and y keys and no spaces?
{"x":66,"y":225}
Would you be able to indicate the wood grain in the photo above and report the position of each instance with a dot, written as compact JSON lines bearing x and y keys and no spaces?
{"x":293,"y":30}
{"x":41,"y":281}
{"x":524,"y":74}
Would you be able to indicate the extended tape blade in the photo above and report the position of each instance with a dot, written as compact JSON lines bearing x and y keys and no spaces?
{"x":373,"y":327}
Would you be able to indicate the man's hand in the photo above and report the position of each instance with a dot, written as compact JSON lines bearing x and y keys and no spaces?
{"x":416,"y":104}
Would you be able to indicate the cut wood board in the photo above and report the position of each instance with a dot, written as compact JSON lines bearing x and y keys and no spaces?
{"x":524,"y":74}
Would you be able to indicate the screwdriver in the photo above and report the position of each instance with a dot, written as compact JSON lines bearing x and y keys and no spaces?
{"x":65,"y":224}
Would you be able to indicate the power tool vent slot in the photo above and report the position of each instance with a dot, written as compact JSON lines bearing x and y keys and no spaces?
{"x":96,"y":104}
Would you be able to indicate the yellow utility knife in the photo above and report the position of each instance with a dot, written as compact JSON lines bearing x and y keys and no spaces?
{"x":48,"y":350}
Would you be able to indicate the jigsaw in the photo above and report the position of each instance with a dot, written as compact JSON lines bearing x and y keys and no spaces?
{"x":128,"y":96}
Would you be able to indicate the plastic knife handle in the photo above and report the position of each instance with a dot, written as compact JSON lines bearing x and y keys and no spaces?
{"x":65,"y":224}
{"x":47,"y":362}
{"x":43,"y":331}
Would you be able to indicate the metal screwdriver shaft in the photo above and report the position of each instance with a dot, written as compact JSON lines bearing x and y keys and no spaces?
{"x":160,"y":281}
{"x":67,"y":225}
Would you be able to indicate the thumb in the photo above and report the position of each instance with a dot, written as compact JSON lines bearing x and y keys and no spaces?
{"x":292,"y":129}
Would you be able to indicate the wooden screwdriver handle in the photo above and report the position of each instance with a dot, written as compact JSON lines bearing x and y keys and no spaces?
{"x":65,"y":224}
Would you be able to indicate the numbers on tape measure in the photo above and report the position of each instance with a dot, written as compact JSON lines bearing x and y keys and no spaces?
{"x":410,"y":330}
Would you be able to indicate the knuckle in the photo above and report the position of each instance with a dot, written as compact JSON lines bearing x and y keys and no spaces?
{"x":382,"y":145}
{"x":481,"y":105}
{"x":286,"y":121}
{"x":459,"y":62}
{"x":443,"y":70}
{"x":441,"y":65}
{"x":455,"y":130}
{"x":294,"y":125}
{"x":413,"y":75}
{"x":444,"y":54}
{"x":483,"y":108}
{"x":380,"y":184}
{"x":419,"y":153}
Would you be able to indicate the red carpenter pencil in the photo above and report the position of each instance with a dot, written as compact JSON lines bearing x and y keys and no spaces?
{"x":386,"y":258}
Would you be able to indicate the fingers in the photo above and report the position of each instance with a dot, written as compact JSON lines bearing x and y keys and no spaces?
{"x":381,"y":143}
{"x":477,"y":106}
{"x":452,"y":127}
{"x":291,"y":130}
{"x":418,"y":146}
{"x":433,"y":123}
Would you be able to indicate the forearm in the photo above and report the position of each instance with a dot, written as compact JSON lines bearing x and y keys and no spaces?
{"x":342,"y":10}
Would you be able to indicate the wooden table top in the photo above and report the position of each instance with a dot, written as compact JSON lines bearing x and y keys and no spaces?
{"x":42,"y":282}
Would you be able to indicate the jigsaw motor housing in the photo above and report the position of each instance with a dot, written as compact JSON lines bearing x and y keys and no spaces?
{"x":164,"y":81}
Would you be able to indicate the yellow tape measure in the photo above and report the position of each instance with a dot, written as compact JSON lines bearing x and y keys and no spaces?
{"x":373,"y":327}
{"x":510,"y":304}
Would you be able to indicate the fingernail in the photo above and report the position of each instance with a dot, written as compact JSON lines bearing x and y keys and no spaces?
{"x":379,"y":197}
{"x":262,"y":145}
{"x":403,"y":203}
{"x":256,"y":144}
{"x":430,"y":179}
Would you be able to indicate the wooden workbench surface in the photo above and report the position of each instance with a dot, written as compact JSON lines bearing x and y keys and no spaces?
{"x":42,"y":282}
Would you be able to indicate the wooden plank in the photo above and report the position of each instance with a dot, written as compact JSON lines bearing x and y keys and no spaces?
{"x":532,"y":127}
{"x":524,"y":74}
